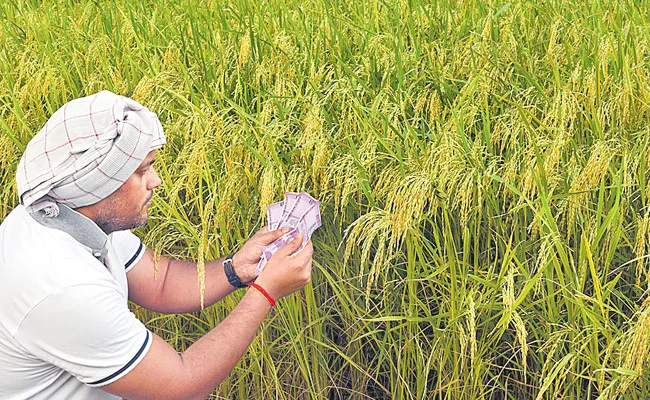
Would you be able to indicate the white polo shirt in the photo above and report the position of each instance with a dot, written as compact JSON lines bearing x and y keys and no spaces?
{"x":65,"y":326}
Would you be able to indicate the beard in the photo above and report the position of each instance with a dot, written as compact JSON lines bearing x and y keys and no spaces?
{"x":112,"y":216}
{"x":120,"y":223}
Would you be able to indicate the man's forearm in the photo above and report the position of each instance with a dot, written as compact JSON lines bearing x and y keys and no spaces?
{"x":176,"y":287}
{"x":180,"y":291}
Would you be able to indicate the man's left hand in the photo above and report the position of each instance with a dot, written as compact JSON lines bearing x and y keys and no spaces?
{"x":246,"y":259}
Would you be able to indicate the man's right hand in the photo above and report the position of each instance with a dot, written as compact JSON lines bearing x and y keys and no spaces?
{"x":286,"y":273}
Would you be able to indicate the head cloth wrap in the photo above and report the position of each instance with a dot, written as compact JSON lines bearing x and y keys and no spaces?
{"x":85,"y":151}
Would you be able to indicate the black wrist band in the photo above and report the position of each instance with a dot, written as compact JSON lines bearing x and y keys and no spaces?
{"x":228,"y":268}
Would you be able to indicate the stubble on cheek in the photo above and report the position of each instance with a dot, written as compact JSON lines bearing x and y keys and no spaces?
{"x":113,"y":217}
{"x":119,"y":223}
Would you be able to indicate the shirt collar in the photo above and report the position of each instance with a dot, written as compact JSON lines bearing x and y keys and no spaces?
{"x":81,"y":228}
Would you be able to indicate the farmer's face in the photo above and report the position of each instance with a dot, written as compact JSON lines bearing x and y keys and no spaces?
{"x":126,"y":208}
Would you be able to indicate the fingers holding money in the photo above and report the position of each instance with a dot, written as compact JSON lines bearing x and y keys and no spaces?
{"x":299,"y":212}
{"x":292,"y":248}
{"x":287,"y":272}
{"x":266,"y":237}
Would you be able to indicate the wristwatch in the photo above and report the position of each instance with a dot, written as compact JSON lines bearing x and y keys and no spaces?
{"x":228,"y":268}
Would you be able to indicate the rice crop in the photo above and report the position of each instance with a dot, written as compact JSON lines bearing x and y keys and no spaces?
{"x":482,"y":168}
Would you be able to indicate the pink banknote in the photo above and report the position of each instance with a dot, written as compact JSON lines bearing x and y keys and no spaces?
{"x":274,"y":215}
{"x":298,"y":211}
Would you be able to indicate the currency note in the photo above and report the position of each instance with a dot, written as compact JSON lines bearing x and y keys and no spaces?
{"x":312,"y":220}
{"x":302,"y":205}
{"x":290,"y":201}
{"x":274,"y":215}
{"x":298,"y":211}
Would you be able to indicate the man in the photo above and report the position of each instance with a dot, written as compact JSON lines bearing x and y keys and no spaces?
{"x":68,"y":264}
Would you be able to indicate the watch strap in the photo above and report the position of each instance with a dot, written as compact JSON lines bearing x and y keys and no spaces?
{"x":229,"y":269}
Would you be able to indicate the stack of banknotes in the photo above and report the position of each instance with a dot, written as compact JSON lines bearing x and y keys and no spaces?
{"x":298,"y":211}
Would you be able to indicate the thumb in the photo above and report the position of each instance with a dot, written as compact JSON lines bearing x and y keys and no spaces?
{"x":291,"y":247}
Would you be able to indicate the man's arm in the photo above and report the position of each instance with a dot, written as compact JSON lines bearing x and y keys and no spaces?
{"x":175,"y":288}
{"x":164,"y":374}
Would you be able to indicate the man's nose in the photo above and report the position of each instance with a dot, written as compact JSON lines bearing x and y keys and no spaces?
{"x":154,"y":181}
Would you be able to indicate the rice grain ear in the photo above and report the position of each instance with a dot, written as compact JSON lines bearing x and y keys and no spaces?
{"x":244,"y":49}
{"x":635,"y":349}
{"x":641,"y":250}
{"x":9,"y":158}
{"x":471,"y":328}
{"x":514,"y":318}
{"x":269,"y":185}
{"x":596,"y":168}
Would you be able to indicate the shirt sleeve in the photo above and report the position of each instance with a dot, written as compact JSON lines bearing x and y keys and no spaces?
{"x":88,"y":331}
{"x":129,"y":247}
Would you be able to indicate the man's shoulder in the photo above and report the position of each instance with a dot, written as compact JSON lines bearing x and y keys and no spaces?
{"x":14,"y":216}
{"x":22,"y":236}
{"x":18,"y":235}
{"x":18,"y":221}
{"x":36,"y":261}
{"x":32,"y":249}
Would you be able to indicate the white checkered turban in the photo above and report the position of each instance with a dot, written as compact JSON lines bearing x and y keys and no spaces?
{"x":85,"y":151}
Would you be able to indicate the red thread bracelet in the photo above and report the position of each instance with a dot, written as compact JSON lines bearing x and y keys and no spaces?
{"x":263,"y":292}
